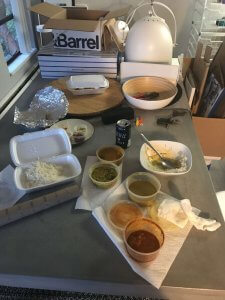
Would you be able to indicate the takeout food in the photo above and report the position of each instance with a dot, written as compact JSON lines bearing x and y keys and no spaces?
{"x":77,"y":135}
{"x":111,"y":153}
{"x":78,"y":130}
{"x":163,"y":223}
{"x":122,"y":213}
{"x":142,"y":188}
{"x":104,"y":175}
{"x":41,"y":173}
{"x":47,"y":107}
{"x":149,"y":92}
{"x":177,"y":152}
{"x":43,"y":159}
{"x":87,"y":84}
{"x":143,"y":239}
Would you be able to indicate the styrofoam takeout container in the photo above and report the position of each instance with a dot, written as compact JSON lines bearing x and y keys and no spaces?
{"x":87,"y":84}
{"x":50,"y":145}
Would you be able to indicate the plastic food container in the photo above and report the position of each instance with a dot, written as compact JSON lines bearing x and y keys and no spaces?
{"x":104,"y":184}
{"x":143,"y":224}
{"x":113,"y":154}
{"x":87,"y":84}
{"x":143,"y":177}
{"x":120,"y":213}
{"x":51,"y":146}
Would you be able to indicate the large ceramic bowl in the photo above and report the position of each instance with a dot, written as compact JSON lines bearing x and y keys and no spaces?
{"x":168,"y":149}
{"x":140,"y":85}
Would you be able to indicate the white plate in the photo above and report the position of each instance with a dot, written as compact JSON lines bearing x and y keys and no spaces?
{"x":168,"y":146}
{"x":71,"y":123}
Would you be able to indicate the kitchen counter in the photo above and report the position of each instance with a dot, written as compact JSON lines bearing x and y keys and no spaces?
{"x":63,"y":249}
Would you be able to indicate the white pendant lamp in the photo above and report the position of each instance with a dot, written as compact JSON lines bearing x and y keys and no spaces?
{"x":149,"y":39}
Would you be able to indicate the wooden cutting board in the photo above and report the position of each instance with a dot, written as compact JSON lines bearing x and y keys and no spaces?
{"x":89,"y":105}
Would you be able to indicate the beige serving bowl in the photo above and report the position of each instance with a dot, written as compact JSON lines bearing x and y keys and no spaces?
{"x":148,"y":84}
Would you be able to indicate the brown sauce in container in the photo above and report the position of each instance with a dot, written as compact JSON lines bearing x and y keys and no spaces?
{"x":143,"y":241}
{"x":110,"y":154}
{"x":142,"y":188}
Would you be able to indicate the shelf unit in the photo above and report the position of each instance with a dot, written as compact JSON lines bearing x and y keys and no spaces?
{"x":204,"y":27}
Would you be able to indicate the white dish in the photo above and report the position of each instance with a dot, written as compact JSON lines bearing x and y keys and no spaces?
{"x":50,"y":145}
{"x":166,"y":89}
{"x":87,"y":91}
{"x":174,"y":149}
{"x":70,"y":126}
{"x":87,"y":84}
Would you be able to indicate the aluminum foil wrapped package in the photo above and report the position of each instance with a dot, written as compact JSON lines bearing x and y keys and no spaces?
{"x":47,"y":107}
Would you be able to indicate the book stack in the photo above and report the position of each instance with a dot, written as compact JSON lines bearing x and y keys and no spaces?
{"x":56,"y":63}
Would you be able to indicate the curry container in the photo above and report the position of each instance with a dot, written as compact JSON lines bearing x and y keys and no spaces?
{"x":50,"y":145}
{"x":143,"y":176}
{"x":147,"y":225}
{"x":104,"y":184}
{"x":114,"y":147}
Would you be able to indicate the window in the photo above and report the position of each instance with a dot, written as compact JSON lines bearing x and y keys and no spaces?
{"x":17,"y":46}
{"x":8,"y":36}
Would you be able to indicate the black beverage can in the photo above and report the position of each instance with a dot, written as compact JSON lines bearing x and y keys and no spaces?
{"x":123,"y":133}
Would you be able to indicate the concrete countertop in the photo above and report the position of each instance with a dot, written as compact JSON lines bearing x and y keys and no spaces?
{"x":66,"y":250}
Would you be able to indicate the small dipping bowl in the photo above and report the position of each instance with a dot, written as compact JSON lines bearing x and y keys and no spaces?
{"x":113,"y":154}
{"x":154,"y":239}
{"x":122,"y":212}
{"x":141,"y":195}
{"x":102,"y":183}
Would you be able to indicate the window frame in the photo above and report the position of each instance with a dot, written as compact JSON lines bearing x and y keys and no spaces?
{"x":23,"y":24}
{"x":6,"y":19}
{"x":2,"y":22}
{"x":13,"y":75}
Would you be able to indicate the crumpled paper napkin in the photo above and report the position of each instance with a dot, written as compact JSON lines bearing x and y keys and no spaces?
{"x":9,"y":194}
{"x":92,"y":196}
{"x":154,"y":272}
{"x":180,"y":212}
{"x":199,"y":222}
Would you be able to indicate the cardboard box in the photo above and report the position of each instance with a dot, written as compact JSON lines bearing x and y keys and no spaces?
{"x":211,"y":135}
{"x":76,"y":28}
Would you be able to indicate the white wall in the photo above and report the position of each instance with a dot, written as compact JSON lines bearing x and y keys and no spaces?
{"x":183,"y":10}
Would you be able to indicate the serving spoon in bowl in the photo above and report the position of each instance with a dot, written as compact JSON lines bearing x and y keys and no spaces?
{"x":166,"y":163}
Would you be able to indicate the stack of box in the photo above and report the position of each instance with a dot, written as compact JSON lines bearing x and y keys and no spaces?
{"x":55,"y":63}
{"x":78,"y":35}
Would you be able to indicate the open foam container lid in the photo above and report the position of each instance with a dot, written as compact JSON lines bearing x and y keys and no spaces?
{"x":43,"y":144}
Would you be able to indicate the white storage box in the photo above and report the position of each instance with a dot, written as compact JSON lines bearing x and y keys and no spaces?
{"x":87,"y":84}
{"x":51,"y":146}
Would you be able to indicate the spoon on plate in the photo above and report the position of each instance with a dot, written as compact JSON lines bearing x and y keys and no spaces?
{"x":167,"y":163}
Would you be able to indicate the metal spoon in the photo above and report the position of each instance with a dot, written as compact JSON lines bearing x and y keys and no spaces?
{"x":165,"y":162}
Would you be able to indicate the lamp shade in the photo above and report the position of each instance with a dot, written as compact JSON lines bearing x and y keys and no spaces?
{"x":149,"y":40}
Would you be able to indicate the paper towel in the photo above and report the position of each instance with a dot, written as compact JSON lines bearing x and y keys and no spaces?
{"x":154,"y":272}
